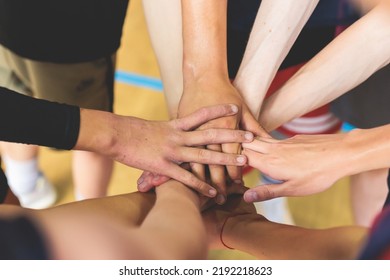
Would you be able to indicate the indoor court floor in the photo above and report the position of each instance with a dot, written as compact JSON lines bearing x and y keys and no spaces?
{"x":139,"y":93}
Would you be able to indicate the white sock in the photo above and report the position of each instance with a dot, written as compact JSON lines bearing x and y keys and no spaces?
{"x":21,"y":175}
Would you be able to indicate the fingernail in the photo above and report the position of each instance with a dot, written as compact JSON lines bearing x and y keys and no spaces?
{"x":140,"y":181}
{"x":238,"y":182}
{"x":212,"y":192}
{"x":220,"y":199}
{"x":241,"y":159}
{"x":142,"y":187}
{"x":155,"y":178}
{"x":234,"y":108}
{"x":251,"y":196}
{"x":248,"y":136}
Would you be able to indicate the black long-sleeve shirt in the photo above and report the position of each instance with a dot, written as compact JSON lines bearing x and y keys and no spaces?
{"x":28,"y":120}
{"x":71,"y":31}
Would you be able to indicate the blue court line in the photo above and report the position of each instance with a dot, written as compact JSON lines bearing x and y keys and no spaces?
{"x":138,"y":80}
{"x":347,"y":127}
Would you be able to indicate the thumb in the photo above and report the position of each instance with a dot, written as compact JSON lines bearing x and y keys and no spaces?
{"x":250,"y":123}
{"x":264,"y":192}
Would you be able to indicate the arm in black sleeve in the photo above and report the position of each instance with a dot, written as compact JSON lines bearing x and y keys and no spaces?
{"x":28,"y":120}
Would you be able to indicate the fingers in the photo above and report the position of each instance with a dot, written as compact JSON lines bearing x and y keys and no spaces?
{"x":234,"y":188}
{"x":149,"y":180}
{"x":189,"y":179}
{"x":265,"y":192}
{"x":234,"y":173}
{"x":144,"y":182}
{"x":217,"y":136}
{"x":257,"y":146}
{"x":255,"y":159}
{"x":218,"y":177}
{"x":199,"y":170}
{"x":204,"y":156}
{"x":250,"y":123}
{"x":204,"y":115}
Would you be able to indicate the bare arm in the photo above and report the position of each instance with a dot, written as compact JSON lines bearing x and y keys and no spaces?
{"x":278,"y":24}
{"x":131,"y":226}
{"x":134,"y":226}
{"x":237,"y":225}
{"x":88,"y":229}
{"x":346,"y":62}
{"x":203,"y":67}
{"x":163,"y":18}
{"x":206,"y":80}
{"x":267,"y":240}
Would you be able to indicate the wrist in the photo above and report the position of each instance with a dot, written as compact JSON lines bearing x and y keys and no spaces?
{"x":232,"y":224}
{"x":369,"y":149}
{"x":96,"y":133}
{"x":178,"y":192}
{"x":202,"y":74}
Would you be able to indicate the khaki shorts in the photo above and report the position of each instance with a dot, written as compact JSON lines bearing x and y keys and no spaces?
{"x":88,"y":85}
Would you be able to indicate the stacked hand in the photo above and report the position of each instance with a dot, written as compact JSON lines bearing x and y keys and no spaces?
{"x":306,"y":164}
{"x":161,"y":147}
{"x":218,"y":175}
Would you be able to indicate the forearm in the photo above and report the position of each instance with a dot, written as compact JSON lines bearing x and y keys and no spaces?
{"x":268,"y":240}
{"x":176,"y":218}
{"x":111,"y":135}
{"x":126,"y":209}
{"x":204,"y":40}
{"x":346,"y":62}
{"x":100,"y":228}
{"x":163,"y":18}
{"x":369,"y":149}
{"x":97,"y":132}
{"x":103,"y":228}
{"x":278,"y":24}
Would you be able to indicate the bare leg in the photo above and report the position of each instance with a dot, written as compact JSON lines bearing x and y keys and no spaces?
{"x":86,"y":164}
{"x":24,"y":176}
{"x":19,"y":151}
{"x":368,"y":194}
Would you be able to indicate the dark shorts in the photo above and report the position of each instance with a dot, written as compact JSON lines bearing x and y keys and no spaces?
{"x":377,"y":244}
{"x":387,"y":202}
{"x":4,"y":188}
{"x":367,"y":105}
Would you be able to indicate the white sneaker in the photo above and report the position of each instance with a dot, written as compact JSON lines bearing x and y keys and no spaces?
{"x":43,"y":196}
